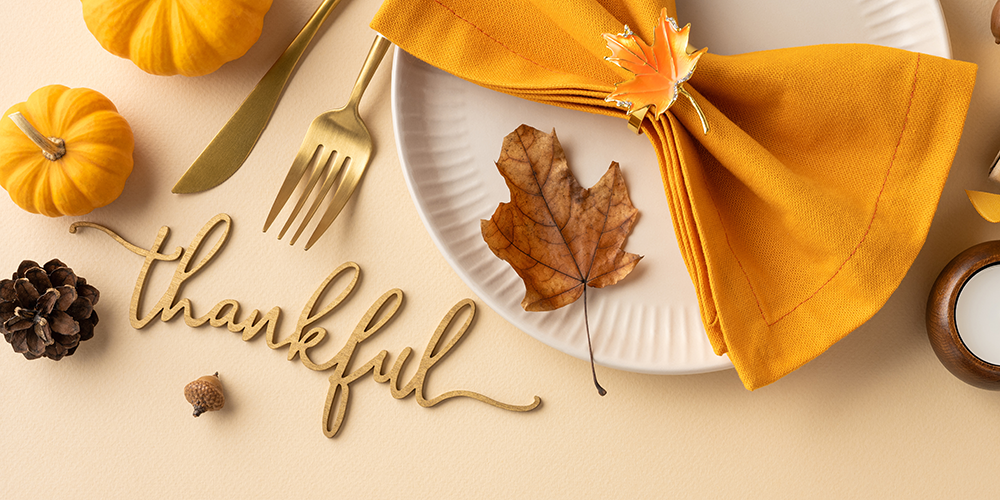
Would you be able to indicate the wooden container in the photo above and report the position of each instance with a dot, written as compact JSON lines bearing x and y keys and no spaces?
{"x":941,"y":322}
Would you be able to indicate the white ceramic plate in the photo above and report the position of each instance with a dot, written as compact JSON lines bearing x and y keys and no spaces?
{"x":449,"y":132}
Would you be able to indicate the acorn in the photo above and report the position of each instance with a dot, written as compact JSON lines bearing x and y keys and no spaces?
{"x":205,"y":394}
{"x":995,"y":22}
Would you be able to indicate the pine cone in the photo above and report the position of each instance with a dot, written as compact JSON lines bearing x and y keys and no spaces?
{"x":47,"y":311}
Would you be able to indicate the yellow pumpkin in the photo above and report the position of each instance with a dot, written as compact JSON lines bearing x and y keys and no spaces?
{"x":64,"y":152}
{"x":169,"y":37}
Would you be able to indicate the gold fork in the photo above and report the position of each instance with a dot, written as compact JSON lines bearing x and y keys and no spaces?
{"x":338,"y":145}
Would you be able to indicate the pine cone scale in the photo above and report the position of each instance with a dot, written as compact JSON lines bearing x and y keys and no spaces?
{"x":67,"y":295}
{"x":63,"y":276}
{"x":18,"y":322}
{"x":43,"y":331}
{"x":7,"y":292}
{"x":81,"y":308}
{"x":52,"y":265}
{"x":6,"y":311}
{"x":67,"y":341}
{"x":64,"y":324}
{"x":87,"y":327}
{"x":36,"y":346}
{"x":88,"y":292}
{"x":23,"y":268}
{"x":38,"y":278}
{"x":47,"y":301}
{"x":18,"y":340}
{"x":27,"y":294}
{"x":63,"y":346}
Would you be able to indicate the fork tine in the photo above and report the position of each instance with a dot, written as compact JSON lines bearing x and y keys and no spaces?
{"x":352,"y":176}
{"x":302,"y":159}
{"x":317,"y":173}
{"x":335,"y":168}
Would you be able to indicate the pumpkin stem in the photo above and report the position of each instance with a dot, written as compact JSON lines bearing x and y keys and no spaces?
{"x":52,"y":148}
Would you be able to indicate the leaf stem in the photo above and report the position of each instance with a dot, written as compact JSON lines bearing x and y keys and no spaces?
{"x":697,"y":108}
{"x":590,"y":345}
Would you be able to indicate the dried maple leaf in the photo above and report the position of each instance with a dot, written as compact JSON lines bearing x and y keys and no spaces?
{"x":660,"y":70}
{"x":559,"y":237}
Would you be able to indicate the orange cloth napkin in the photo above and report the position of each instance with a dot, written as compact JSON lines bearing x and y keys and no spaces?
{"x":801,"y":210}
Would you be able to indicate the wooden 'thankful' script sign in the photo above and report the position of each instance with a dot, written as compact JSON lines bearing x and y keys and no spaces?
{"x":305,"y":336}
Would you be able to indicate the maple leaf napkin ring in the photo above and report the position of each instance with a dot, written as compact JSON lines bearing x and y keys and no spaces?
{"x":660,"y":70}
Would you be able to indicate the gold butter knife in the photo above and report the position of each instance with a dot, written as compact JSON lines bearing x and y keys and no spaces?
{"x":232,"y":145}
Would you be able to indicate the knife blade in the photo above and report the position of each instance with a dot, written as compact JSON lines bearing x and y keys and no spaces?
{"x":232,"y":145}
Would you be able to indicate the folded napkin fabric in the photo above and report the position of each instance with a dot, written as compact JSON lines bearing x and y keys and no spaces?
{"x":801,"y":210}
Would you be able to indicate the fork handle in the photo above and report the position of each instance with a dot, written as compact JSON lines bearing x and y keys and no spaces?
{"x":379,"y":47}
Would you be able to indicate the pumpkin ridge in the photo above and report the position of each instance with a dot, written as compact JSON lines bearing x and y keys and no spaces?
{"x":13,"y":165}
{"x":102,"y":127}
{"x":142,"y":45}
{"x":44,"y":119}
{"x":16,"y":176}
{"x":75,"y":105}
{"x":184,"y":24}
{"x":112,"y":167}
{"x":101,"y":17}
{"x":36,"y":195}
{"x":15,"y":157}
{"x":247,"y":20}
{"x":65,"y":188}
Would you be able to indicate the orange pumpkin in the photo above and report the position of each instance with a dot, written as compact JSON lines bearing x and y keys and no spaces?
{"x":170,"y":37}
{"x":64,"y":151}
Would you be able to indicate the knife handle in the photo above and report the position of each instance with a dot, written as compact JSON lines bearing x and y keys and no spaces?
{"x":273,"y":82}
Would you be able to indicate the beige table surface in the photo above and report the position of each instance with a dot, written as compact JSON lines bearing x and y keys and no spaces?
{"x":876,"y":416}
